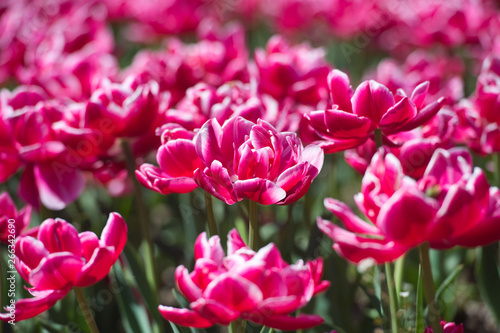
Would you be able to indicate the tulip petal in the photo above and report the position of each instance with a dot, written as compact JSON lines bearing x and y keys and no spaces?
{"x":350,"y":220}
{"x":340,"y":90}
{"x":57,"y":271}
{"x":215,"y":311}
{"x":58,"y":184}
{"x":30,"y":307}
{"x":30,"y":251}
{"x":262,"y":191}
{"x":372,"y":100}
{"x":115,"y":233}
{"x":97,"y":268}
{"x":58,"y":236}
{"x":235,"y":292}
{"x":288,"y":323}
{"x":184,"y":317}
{"x":186,"y":285}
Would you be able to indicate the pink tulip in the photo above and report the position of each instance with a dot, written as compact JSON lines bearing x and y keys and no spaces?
{"x":257,"y":286}
{"x":8,"y":213}
{"x":60,"y":258}
{"x":254,"y":161}
{"x":177,"y":159}
{"x":447,"y":328}
{"x":355,"y":115}
{"x":297,"y":72}
{"x":451,"y":205}
{"x":49,"y":176}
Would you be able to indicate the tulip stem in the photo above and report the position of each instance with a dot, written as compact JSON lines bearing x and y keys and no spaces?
{"x":496,"y":172}
{"x":87,"y":313}
{"x":144,"y":219}
{"x":212,"y":225}
{"x":429,"y":293}
{"x":253,"y":225}
{"x":393,"y":301}
{"x":237,"y":326}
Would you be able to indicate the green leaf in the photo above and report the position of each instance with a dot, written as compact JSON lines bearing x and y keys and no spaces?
{"x":266,"y":330}
{"x":419,"y":324}
{"x":488,"y":278}
{"x":448,"y":281}
{"x":134,"y":316}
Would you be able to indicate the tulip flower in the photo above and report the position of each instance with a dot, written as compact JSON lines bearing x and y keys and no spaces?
{"x":60,"y":258}
{"x":256,"y":286}
{"x":49,"y":175}
{"x":451,"y":205}
{"x":177,"y":159}
{"x":254,"y":161}
{"x":354,"y":116}
{"x":447,"y":328}
{"x":8,"y":213}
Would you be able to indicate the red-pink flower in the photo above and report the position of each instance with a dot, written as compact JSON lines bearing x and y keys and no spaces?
{"x":12,"y":222}
{"x":355,"y":115}
{"x":60,"y":258}
{"x":254,"y":161}
{"x":447,"y":328}
{"x":49,"y":177}
{"x":257,"y":286}
{"x":451,"y":205}
{"x":177,"y":159}
{"x":297,"y":72}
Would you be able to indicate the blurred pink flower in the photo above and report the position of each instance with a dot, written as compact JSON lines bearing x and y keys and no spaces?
{"x":298,"y":72}
{"x":451,"y":205}
{"x":355,"y":115}
{"x":48,"y":177}
{"x":254,"y":161}
{"x":447,"y":328}
{"x":8,"y":211}
{"x":60,"y":258}
{"x":257,"y":286}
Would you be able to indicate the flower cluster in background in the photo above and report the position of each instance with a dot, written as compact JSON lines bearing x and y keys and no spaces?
{"x":261,"y":120}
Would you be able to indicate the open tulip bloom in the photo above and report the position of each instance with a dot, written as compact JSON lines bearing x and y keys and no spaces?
{"x":354,"y":116}
{"x":257,"y":286}
{"x":246,"y":160}
{"x":451,"y":205}
{"x":60,"y":258}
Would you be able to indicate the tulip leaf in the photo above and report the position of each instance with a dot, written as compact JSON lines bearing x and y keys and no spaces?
{"x":419,"y":322}
{"x":141,"y":281}
{"x":134,"y":316}
{"x":51,"y":326}
{"x":266,"y":330}
{"x":488,"y":278}
{"x":448,"y":281}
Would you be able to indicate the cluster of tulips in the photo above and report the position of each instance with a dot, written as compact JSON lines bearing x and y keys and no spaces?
{"x":86,"y":103}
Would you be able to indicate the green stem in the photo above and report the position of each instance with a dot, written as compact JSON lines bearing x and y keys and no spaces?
{"x":144,"y":219}
{"x":212,"y":225}
{"x":87,"y":313}
{"x":378,"y":138}
{"x":496,"y":172}
{"x":398,"y":275}
{"x":393,"y":302}
{"x":429,"y":293}
{"x":237,"y":326}
{"x":253,"y":225}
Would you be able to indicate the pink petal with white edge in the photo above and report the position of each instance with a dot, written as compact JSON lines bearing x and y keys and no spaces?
{"x":234,"y":242}
{"x":419,"y":93}
{"x":208,"y":248}
{"x":215,"y":311}
{"x":356,"y":248}
{"x":184,"y":317}
{"x":90,"y":242}
{"x":186,"y":285}
{"x":30,"y":251}
{"x":350,"y":220}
